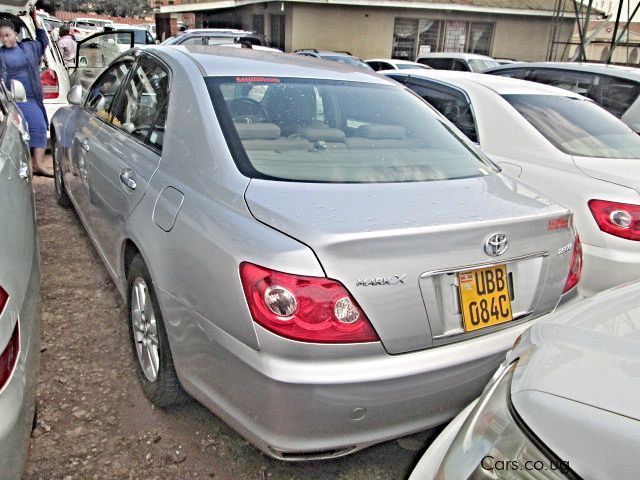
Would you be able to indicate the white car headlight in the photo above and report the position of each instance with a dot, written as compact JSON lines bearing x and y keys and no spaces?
{"x":493,"y":443}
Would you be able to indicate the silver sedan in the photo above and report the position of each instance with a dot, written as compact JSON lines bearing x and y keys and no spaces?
{"x":19,"y":292}
{"x":309,"y":250}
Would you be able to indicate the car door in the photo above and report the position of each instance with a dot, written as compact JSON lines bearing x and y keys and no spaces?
{"x":82,"y":133}
{"x":451,"y":102}
{"x":125,"y":153}
{"x":95,"y":54}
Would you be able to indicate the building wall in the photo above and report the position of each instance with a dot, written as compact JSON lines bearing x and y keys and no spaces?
{"x":368,"y":32}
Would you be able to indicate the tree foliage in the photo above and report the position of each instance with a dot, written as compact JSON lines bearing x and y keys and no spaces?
{"x":116,"y":8}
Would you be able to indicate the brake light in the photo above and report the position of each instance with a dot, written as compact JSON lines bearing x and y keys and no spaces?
{"x":619,"y":219}
{"x":49,"y":81}
{"x":309,"y":309}
{"x":575,"y":270}
{"x":9,"y":356}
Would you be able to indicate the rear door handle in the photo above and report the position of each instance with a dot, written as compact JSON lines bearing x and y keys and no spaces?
{"x":128,"y":177}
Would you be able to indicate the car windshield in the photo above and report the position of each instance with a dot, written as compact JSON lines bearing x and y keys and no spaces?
{"x":354,"y":62}
{"x":335,"y":131}
{"x":577,"y":127}
{"x":480,"y":65}
{"x":86,"y":25}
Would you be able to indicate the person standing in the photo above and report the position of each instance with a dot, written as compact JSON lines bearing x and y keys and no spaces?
{"x":21,"y":61}
{"x":67,"y":46}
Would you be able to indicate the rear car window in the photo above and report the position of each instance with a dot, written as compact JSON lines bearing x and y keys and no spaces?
{"x":312,"y":130}
{"x":480,"y":65}
{"x":577,"y":127}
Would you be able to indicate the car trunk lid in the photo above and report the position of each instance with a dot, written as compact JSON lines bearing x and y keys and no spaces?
{"x":621,"y":171}
{"x":394,"y":246}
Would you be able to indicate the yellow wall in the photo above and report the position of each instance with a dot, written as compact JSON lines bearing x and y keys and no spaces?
{"x":368,"y":32}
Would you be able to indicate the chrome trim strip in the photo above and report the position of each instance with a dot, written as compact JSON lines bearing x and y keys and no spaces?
{"x":482,"y":265}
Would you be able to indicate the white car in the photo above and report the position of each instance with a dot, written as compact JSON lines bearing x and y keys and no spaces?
{"x":463,"y":62}
{"x":82,"y":28}
{"x":563,"y":406}
{"x":53,"y":74}
{"x":392,"y":64}
{"x":564,"y":145}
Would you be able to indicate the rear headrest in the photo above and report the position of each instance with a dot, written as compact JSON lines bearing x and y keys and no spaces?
{"x":376,"y":132}
{"x":257,"y":131}
{"x":315,"y":134}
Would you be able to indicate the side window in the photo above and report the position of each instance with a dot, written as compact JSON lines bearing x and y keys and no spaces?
{"x":103,"y":90}
{"x":618,"y":94}
{"x":376,"y":65}
{"x":440,"y":63}
{"x":584,"y":83}
{"x":460,"y":66}
{"x":142,"y":99}
{"x":193,"y":41}
{"x":451,"y":103}
{"x":157,"y":133}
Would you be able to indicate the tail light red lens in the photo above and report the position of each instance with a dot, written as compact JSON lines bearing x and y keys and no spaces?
{"x":619,"y":219}
{"x":308,"y":309}
{"x":576,"y":266}
{"x":9,"y":356}
{"x":50,"y":85}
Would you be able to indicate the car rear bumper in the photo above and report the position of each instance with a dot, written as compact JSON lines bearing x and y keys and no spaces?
{"x":607,"y":267}
{"x":298,"y":406}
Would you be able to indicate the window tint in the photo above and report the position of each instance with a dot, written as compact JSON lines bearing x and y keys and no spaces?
{"x":142,"y":99}
{"x":460,"y":66}
{"x":313,"y":130}
{"x":520,"y":73}
{"x":157,"y":133}
{"x":438,"y":63}
{"x":577,"y":127}
{"x":587,"y":84}
{"x":451,"y":103}
{"x":618,"y":94}
{"x":102,"y":92}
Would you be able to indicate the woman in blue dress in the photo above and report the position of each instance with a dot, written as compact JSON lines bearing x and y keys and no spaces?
{"x":21,"y":61}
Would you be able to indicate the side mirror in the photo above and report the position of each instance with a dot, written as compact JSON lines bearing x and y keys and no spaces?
{"x":18,"y":92}
{"x":83,"y":62}
{"x":74,"y":97}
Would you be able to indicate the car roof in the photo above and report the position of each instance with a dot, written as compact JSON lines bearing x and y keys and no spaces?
{"x":223,"y":61}
{"x":454,"y":55}
{"x":615,"y":70}
{"x":500,"y":85}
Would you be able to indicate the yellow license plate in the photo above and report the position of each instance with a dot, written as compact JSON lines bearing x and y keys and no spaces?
{"x":484,"y":297}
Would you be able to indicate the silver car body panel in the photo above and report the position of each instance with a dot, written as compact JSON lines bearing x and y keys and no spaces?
{"x":359,"y":394}
{"x":20,"y":277}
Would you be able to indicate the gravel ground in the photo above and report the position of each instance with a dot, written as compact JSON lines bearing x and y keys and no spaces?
{"x":95,"y":423}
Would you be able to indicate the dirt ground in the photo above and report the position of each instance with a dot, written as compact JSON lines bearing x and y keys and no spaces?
{"x":95,"y":423}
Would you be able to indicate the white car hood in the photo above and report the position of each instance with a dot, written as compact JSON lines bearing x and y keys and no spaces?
{"x":621,"y":171}
{"x":577,"y":384}
{"x":16,"y":6}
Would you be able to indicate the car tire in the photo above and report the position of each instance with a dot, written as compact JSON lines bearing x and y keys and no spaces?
{"x":61,"y":193}
{"x":149,"y":340}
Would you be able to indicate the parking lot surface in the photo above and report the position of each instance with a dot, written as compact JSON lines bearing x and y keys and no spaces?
{"x":95,"y":423}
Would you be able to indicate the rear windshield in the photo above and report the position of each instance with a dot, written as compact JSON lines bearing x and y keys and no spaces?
{"x":354,"y":62}
{"x":411,"y":66}
{"x":334,"y":131}
{"x":577,"y":127}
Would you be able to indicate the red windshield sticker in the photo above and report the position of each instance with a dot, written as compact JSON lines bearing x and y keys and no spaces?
{"x":257,"y":80}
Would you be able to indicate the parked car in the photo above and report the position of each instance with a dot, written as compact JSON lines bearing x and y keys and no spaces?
{"x":83,"y":28}
{"x":101,"y":23}
{"x":560,"y":407}
{"x":560,"y":143}
{"x":393,"y":64}
{"x":340,"y":57}
{"x":19,"y":291}
{"x":314,"y":236}
{"x":613,"y":87}
{"x":53,"y":74}
{"x":214,"y":36}
{"x":464,"y":62}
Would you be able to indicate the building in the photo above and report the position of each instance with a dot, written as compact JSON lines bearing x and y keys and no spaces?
{"x":519,"y":29}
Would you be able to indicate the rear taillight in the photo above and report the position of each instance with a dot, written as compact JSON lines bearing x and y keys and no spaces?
{"x":9,"y":355}
{"x":309,"y":309}
{"x":49,"y":81}
{"x":619,"y":219}
{"x":576,"y":266}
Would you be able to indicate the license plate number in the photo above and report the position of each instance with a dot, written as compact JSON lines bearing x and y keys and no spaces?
{"x":484,"y":297}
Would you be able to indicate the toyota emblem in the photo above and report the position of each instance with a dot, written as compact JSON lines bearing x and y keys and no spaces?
{"x":496,"y":244}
